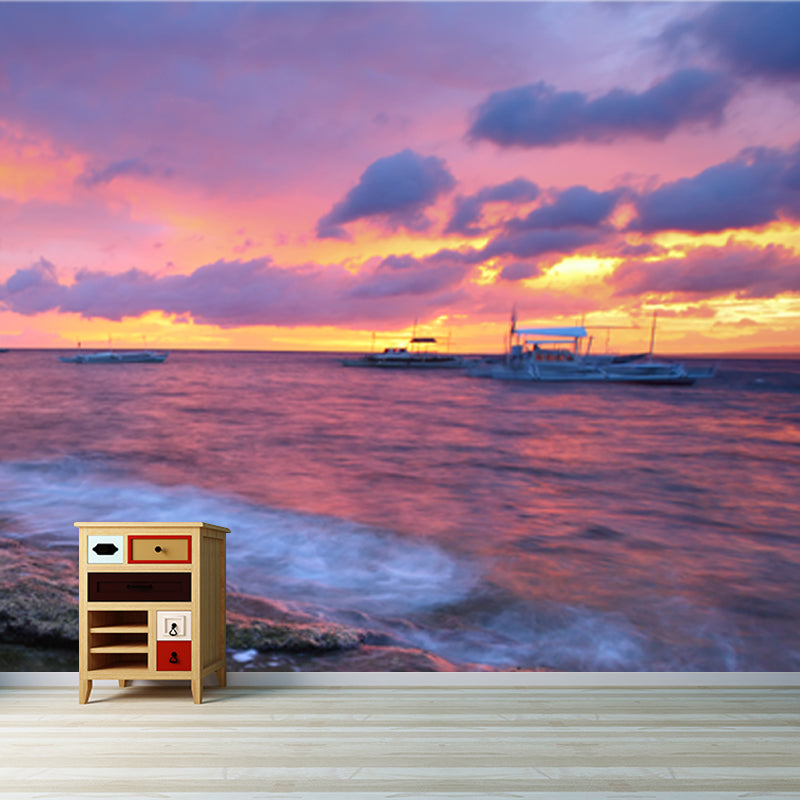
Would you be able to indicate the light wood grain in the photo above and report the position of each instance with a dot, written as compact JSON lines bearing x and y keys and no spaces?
{"x":104,"y":624}
{"x":365,"y":744}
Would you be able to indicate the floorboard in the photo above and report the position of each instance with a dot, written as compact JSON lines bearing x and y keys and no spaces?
{"x":369,"y":743}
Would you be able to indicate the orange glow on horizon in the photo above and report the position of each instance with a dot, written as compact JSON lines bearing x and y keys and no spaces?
{"x":734,"y":328}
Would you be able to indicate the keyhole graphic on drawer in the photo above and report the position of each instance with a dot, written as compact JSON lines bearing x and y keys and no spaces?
{"x":173,"y":659}
{"x":173,"y":629}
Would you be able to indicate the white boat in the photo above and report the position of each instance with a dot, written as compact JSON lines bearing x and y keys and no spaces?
{"x":558,"y":354}
{"x":416,"y":355}
{"x":117,"y":357}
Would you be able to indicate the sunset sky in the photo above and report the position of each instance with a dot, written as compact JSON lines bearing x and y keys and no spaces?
{"x":300,"y":175}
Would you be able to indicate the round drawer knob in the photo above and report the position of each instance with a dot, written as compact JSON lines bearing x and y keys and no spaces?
{"x":158,"y":548}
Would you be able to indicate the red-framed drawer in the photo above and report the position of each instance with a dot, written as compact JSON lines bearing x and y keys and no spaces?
{"x":145,"y":549}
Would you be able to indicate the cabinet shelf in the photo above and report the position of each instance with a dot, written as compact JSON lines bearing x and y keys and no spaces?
{"x":119,"y":629}
{"x":129,"y":670}
{"x":122,"y":647}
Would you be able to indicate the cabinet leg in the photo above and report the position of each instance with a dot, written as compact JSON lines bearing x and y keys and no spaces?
{"x":85,"y":689}
{"x":222,"y":676}
{"x":123,"y":684}
{"x":197,"y":690}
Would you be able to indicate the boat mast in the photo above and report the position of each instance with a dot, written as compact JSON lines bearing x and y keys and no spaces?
{"x":653,"y":335}
{"x":511,"y":331}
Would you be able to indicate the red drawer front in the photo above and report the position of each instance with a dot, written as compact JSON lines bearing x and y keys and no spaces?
{"x":174,"y":655}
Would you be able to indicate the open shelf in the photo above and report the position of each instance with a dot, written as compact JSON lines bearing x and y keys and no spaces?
{"x":131,"y":670}
{"x":119,"y":629}
{"x":118,"y":640}
{"x":122,"y":647}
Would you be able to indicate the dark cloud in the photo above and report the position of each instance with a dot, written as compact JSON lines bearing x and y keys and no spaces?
{"x":396,"y":189}
{"x":469,"y":210}
{"x":540,"y":115}
{"x":135,"y":167}
{"x":576,"y":206}
{"x":709,"y":271}
{"x":754,"y":189}
{"x":520,"y":271}
{"x":571,"y":221}
{"x":405,"y":275}
{"x":531,"y":244}
{"x":754,"y":39}
{"x":34,"y":289}
{"x":256,"y":292}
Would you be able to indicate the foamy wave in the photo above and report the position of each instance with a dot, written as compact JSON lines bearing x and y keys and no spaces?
{"x":319,"y":561}
{"x":337,"y":569}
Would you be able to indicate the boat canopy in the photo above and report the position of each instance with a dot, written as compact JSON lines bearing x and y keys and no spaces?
{"x":423,"y":340}
{"x":568,"y":333}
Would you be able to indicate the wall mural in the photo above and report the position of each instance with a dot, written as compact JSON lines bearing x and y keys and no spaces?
{"x":476,"y":324}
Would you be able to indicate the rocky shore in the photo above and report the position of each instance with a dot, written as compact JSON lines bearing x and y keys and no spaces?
{"x":39,"y":626}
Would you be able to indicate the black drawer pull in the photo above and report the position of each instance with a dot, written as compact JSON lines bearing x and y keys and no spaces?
{"x":158,"y":549}
{"x":173,"y":659}
{"x":143,"y":586}
{"x":105,"y":548}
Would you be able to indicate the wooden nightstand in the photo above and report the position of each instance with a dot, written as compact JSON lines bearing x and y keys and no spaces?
{"x":152,"y":602}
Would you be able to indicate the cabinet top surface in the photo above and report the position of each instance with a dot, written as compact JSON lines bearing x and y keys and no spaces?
{"x":152,"y":525}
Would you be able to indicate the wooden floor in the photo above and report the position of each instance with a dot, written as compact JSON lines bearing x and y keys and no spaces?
{"x":365,"y":744}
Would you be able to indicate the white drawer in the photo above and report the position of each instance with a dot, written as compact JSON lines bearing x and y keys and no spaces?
{"x":105,"y":549}
{"x":173,"y":625}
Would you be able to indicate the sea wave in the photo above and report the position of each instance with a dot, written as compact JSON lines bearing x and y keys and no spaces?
{"x":413,"y":591}
{"x":313,"y":559}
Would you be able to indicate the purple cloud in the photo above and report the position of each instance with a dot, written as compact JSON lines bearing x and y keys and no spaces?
{"x":256,"y":292}
{"x":758,"y":187}
{"x":709,"y":271}
{"x":531,"y":244}
{"x":396,"y":189}
{"x":539,"y":115}
{"x":520,"y":271}
{"x":469,"y":210}
{"x":135,"y":167}
{"x":576,"y":206}
{"x":34,"y":289}
{"x":406,"y":275}
{"x":753,"y":39}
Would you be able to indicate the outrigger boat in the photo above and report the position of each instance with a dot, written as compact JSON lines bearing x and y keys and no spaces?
{"x":117,"y":357}
{"x":558,"y":354}
{"x":414,"y":356}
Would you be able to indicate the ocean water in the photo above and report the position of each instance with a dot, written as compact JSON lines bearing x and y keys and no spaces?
{"x":494,"y":525}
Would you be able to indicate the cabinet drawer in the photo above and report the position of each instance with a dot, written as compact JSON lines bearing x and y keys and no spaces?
{"x":173,"y":626}
{"x":154,"y":587}
{"x":159,"y":549}
{"x":173,"y":655}
{"x":105,"y":549}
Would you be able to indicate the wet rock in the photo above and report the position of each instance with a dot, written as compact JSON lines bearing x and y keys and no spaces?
{"x":267,"y":635}
{"x":38,"y":596}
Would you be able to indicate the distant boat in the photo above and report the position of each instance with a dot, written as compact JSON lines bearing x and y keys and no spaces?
{"x":117,"y":357}
{"x":416,"y":355}
{"x":556,"y":354}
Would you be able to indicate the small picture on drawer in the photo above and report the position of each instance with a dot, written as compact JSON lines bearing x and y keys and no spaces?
{"x":173,"y":625}
{"x":159,"y":549}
